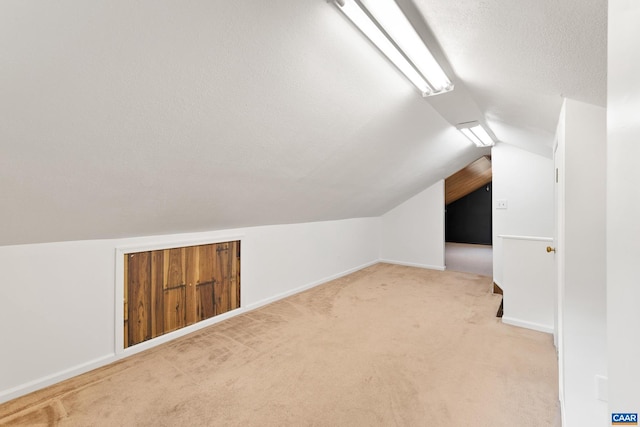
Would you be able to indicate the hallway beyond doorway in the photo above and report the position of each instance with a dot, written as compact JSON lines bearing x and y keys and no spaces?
{"x":469,"y":258}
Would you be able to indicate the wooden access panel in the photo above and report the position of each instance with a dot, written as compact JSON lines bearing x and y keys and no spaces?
{"x":169,"y":289}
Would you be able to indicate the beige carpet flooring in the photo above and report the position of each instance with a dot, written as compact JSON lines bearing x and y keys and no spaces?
{"x":386,"y":346}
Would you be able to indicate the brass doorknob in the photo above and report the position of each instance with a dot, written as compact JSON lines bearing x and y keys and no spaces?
{"x":550,"y":249}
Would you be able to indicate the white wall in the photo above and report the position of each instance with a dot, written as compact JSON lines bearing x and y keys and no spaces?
{"x":58,"y":315}
{"x":528,"y":283}
{"x":413,"y":232}
{"x":525,"y":180}
{"x":583,"y":288}
{"x":623,"y":206}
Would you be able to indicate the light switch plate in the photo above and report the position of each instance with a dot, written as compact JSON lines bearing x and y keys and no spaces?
{"x":501,"y":204}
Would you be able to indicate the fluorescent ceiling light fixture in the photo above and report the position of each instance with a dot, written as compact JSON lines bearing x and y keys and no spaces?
{"x":385,"y":25}
{"x":476,"y":134}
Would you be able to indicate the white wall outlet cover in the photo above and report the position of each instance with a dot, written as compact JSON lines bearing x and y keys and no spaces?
{"x":501,"y":204}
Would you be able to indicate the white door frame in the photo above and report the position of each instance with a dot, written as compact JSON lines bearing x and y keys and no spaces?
{"x":559,"y":240}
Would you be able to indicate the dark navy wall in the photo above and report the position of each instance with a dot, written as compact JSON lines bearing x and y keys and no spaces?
{"x":468,"y":220}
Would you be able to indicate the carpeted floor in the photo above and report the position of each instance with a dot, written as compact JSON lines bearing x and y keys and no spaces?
{"x":469,"y":258}
{"x":386,"y":346}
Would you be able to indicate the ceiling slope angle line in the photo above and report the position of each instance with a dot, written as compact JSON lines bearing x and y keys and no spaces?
{"x":386,"y":26}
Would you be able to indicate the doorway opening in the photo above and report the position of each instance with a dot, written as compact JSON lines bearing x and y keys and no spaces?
{"x":468,"y":219}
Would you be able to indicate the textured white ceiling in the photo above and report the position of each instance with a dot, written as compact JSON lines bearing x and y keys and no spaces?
{"x":519,"y":58}
{"x":122,"y":118}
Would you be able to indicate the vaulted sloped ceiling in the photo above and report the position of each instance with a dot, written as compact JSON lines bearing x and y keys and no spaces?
{"x":520,"y":58}
{"x":122,"y":118}
{"x":467,"y":180}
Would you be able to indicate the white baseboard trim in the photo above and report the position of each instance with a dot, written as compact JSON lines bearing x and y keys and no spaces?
{"x":413,"y":264}
{"x":302,"y":288}
{"x":40,"y":383}
{"x":52,"y":379}
{"x":178,"y":333}
{"x":529,"y":325}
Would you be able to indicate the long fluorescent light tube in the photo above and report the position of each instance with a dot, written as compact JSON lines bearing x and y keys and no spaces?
{"x":396,"y":24}
{"x":478,"y":135}
{"x":421,"y":69}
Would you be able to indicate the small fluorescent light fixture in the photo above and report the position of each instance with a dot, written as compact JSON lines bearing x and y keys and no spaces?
{"x":385,"y":25}
{"x":476,"y":134}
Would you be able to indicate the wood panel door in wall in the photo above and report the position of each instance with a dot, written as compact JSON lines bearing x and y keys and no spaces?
{"x":169,"y":289}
